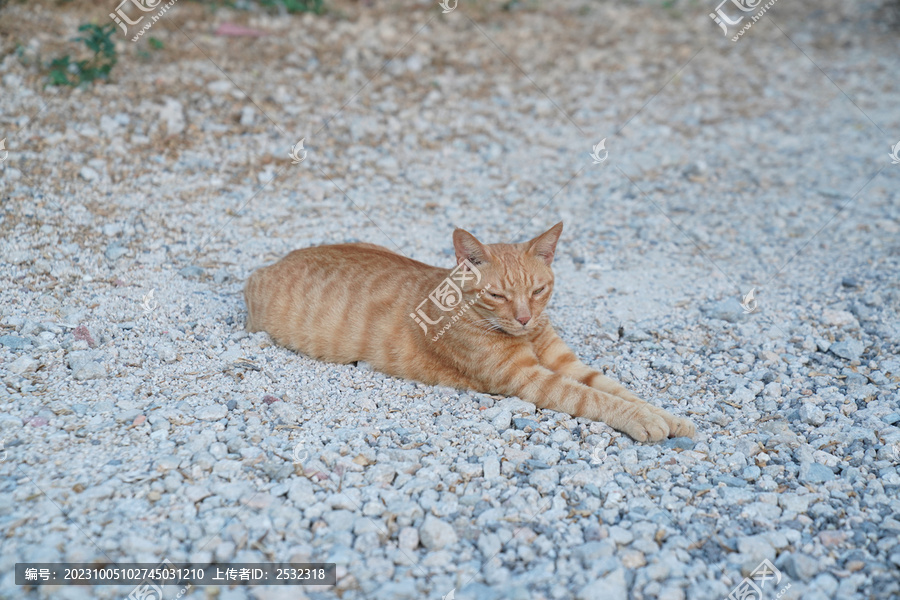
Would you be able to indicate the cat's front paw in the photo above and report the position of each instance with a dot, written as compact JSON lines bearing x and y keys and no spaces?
{"x":646,"y":426}
{"x":678,"y":427}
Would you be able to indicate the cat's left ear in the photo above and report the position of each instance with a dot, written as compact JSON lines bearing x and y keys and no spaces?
{"x":544,"y":245}
{"x":469,"y":248}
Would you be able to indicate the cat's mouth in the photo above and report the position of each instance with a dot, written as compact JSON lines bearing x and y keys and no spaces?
{"x":513,"y":330}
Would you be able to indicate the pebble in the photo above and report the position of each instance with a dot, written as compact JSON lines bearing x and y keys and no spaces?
{"x":609,"y":587}
{"x":502,"y":420}
{"x":436,"y":534}
{"x":89,"y":370}
{"x":848,"y":349}
{"x":798,"y":567}
{"x":679,"y":443}
{"x":88,"y":174}
{"x":812,"y":414}
{"x":23,"y":364}
{"x":14,"y":342}
{"x":526,"y":425}
{"x":115,"y":251}
{"x":172,"y":115}
{"x":814,"y":473}
{"x":214,"y":412}
{"x":191,"y":272}
{"x":729,"y":310}
{"x":491,"y":466}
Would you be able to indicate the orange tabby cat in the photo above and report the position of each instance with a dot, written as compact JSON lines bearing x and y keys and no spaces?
{"x":479,"y":326}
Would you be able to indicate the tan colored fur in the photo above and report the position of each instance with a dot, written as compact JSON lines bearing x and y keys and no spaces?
{"x":350,"y":302}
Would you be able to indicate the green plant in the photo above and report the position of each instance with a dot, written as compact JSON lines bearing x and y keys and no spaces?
{"x":97,"y":38}
{"x":296,"y":6}
{"x":156,"y":44}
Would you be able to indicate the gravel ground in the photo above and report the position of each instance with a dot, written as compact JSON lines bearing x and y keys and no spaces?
{"x":140,"y":422}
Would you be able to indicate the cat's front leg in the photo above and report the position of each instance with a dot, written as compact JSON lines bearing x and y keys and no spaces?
{"x":554,"y":354}
{"x":523,"y":376}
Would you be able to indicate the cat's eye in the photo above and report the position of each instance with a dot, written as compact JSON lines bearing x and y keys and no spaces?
{"x":497,"y":296}
{"x":537,"y":291}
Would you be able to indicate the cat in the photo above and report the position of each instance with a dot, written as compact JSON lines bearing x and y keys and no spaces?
{"x":479,"y":326}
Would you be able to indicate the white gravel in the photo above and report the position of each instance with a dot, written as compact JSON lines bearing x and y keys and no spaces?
{"x":140,"y":422}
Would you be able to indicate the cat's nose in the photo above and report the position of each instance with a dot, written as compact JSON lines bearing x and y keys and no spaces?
{"x":523,"y":320}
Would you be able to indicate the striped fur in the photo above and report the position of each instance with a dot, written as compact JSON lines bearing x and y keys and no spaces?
{"x":350,"y":302}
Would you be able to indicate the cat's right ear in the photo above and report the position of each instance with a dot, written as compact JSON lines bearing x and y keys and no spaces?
{"x":469,"y":248}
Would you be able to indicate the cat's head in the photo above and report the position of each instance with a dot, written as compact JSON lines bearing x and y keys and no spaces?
{"x":516,"y":279}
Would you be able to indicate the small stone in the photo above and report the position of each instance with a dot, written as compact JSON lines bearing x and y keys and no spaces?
{"x":680,"y":443}
{"x":270,"y":399}
{"x":172,"y":115}
{"x":847,"y":349}
{"x":633,"y":559}
{"x":115,"y":251}
{"x":730,"y":480}
{"x":14,"y":342}
{"x":491,"y":466}
{"x":212,"y":413}
{"x":502,"y":420}
{"x":81,"y":333}
{"x":526,"y":425}
{"x":545,"y":480}
{"x":23,"y":364}
{"x":88,"y":174}
{"x":751,"y":473}
{"x":831,"y":538}
{"x":620,"y":535}
{"x":219,"y":87}
{"x":436,"y":534}
{"x":814,"y":473}
{"x":729,"y":310}
{"x":514,"y":405}
{"x":756,"y":548}
{"x":799,"y":566}
{"x":839,"y":318}
{"x":231,"y":404}
{"x":166,"y":352}
{"x":89,"y":370}
{"x":812,"y":414}
{"x":608,"y":587}
{"x":849,"y":282}
{"x":248,"y":116}
{"x":408,"y":538}
{"x":191,"y":272}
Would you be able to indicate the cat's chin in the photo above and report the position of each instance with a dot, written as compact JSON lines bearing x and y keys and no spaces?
{"x":515,"y":331}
